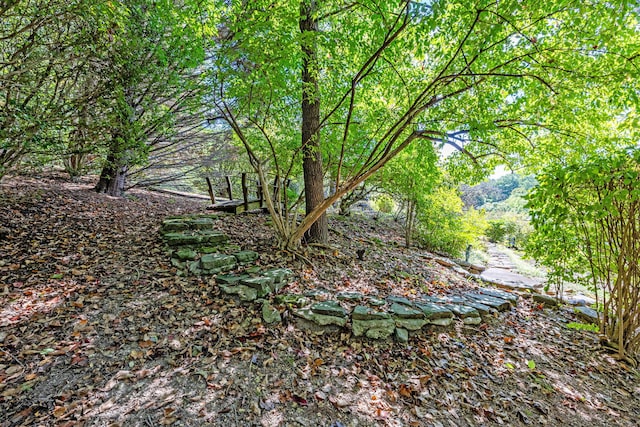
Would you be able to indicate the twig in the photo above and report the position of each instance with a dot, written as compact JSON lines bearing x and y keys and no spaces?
{"x":14,"y":358}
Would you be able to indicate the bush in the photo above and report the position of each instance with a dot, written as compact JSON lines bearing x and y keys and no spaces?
{"x":384,"y":203}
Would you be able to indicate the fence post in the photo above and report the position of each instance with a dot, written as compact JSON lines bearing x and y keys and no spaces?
{"x":211,"y":193}
{"x":245,"y":191}
{"x":229,"y":187}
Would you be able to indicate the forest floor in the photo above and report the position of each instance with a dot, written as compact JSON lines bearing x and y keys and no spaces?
{"x":97,"y":329}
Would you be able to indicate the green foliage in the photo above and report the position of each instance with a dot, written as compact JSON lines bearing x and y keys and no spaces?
{"x":384,"y":203}
{"x":586,"y":214}
{"x":487,"y":79}
{"x":583,"y":327}
{"x":443,"y":225}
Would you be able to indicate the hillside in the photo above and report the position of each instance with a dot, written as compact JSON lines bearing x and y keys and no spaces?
{"x":96,"y":328}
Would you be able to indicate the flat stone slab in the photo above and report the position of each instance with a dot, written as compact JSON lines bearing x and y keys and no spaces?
{"x":261,"y":284}
{"x":404,"y":312}
{"x":376,"y":302}
{"x":497,"y":293}
{"x":270,"y":314}
{"x":195,"y":238}
{"x":217,"y":261}
{"x":497,"y":303}
{"x":186,"y":254}
{"x":361,"y":312}
{"x":320,"y":319}
{"x":444,"y":321}
{"x":399,"y":300}
{"x":279,"y":274}
{"x":434,"y":311}
{"x":230,"y":279}
{"x":578,"y":300}
{"x":463,"y":311}
{"x":245,"y":257}
{"x":349,"y":296}
{"x":587,"y":314}
{"x":545,"y":299}
{"x":482,"y":309}
{"x":329,"y":308}
{"x":411,"y":324}
{"x":402,"y":335}
{"x":245,"y":293}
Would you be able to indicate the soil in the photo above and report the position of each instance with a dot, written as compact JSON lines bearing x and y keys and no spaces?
{"x":97,"y":329}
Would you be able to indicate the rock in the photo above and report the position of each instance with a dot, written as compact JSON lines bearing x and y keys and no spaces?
{"x":194,"y":267}
{"x":472,"y":320}
{"x":399,"y":300}
{"x":212,"y":237}
{"x":186,"y":254}
{"x":365,"y":313}
{"x":174,"y":225}
{"x":443,"y":321}
{"x":482,"y":309}
{"x":261,"y":284}
{"x":579,"y":300}
{"x":207,"y":249}
{"x":245,"y":257}
{"x":375,"y":329}
{"x":496,"y":293}
{"x":230,"y":279}
{"x":178,"y":264}
{"x":404,"y":312}
{"x":320,"y":319}
{"x":245,"y":293}
{"x":377,"y":302}
{"x":463,"y":311}
{"x":349,"y":296}
{"x":318,"y":294}
{"x":411,"y":324}
{"x":434,"y":311}
{"x":402,"y":335}
{"x":545,"y":299}
{"x":587,"y":314}
{"x":292,"y":300}
{"x":217,"y":262}
{"x":200,"y":223}
{"x":279,"y":274}
{"x":497,"y":303}
{"x":329,"y":308}
{"x":270,"y":314}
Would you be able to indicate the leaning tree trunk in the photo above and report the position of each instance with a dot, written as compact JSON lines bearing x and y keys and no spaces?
{"x":312,"y":161}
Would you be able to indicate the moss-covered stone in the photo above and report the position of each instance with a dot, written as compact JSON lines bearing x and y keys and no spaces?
{"x":365,"y":313}
{"x":399,"y":300}
{"x":329,"y":308}
{"x":270,"y":314}
{"x":245,"y":257}
{"x":491,"y":301}
{"x":411,"y":324}
{"x":375,"y":329}
{"x":261,"y":284}
{"x":349,"y":296}
{"x":230,"y":279}
{"x":402,"y":335}
{"x":186,"y":254}
{"x":217,"y":261}
{"x":245,"y":293}
{"x":434,"y":311}
{"x":404,"y":312}
{"x":296,"y":300}
{"x":320,"y":319}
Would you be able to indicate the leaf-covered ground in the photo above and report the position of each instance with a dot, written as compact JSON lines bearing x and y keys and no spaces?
{"x":97,"y":329}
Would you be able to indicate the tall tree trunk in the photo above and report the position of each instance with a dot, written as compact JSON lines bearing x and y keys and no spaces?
{"x":312,"y":161}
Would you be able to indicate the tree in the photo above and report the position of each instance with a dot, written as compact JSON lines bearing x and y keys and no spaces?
{"x":40,"y":64}
{"x":148,"y":64}
{"x":487,"y":78}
